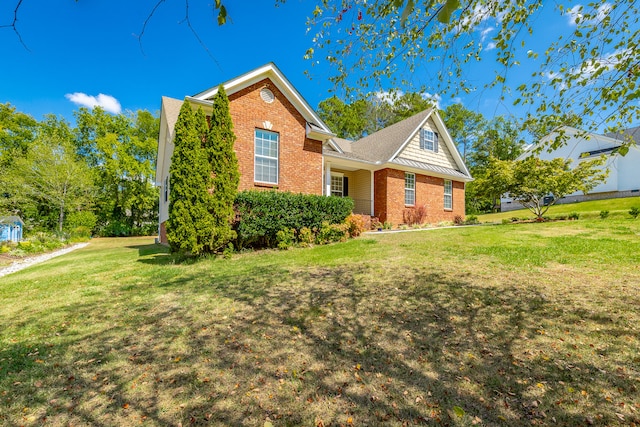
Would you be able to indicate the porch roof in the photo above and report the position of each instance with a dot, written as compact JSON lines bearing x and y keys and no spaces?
{"x":441,"y":170}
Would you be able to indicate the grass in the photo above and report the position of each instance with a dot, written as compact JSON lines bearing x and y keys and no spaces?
{"x":497,"y":325}
{"x":618,"y":209}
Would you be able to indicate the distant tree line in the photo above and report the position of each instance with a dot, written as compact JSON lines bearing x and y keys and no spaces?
{"x":95,"y":177}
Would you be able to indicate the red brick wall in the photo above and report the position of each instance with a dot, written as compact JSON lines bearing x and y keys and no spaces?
{"x":163,"y":233}
{"x":300,"y":158}
{"x":389,"y":197}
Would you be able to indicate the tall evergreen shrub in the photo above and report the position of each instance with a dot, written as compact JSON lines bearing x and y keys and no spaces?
{"x":225,"y":176}
{"x":189,"y":179}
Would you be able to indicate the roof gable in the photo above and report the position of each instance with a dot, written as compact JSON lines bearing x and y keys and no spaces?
{"x":386,"y":145}
{"x":273,"y":73}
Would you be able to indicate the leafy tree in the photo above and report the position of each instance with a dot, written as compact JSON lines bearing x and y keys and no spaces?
{"x":121,"y":152}
{"x":497,"y":141}
{"x":500,"y":138}
{"x":483,"y":194}
{"x":534,"y":179}
{"x":189,"y":227}
{"x":225,"y":175}
{"x":346,"y":120}
{"x":17,"y":132}
{"x":464,"y":126}
{"x":407,"y":105}
{"x":51,"y":175}
{"x":590,"y":68}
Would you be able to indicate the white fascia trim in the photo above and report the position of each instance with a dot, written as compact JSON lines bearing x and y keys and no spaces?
{"x":570,"y":131}
{"x":409,"y":138}
{"x":200,"y":102}
{"x":270,"y":70}
{"x":449,"y":141}
{"x":334,"y":145}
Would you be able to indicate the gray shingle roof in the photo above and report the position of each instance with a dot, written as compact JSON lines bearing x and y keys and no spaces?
{"x":634,"y":133}
{"x":380,"y":146}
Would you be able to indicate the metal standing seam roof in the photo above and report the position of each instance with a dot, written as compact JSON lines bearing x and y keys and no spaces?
{"x":427,"y":166}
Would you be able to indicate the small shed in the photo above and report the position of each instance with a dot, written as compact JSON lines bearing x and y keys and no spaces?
{"x":11,"y":229}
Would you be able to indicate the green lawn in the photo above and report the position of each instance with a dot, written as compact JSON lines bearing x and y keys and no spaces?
{"x":508,"y":325}
{"x":618,"y":208}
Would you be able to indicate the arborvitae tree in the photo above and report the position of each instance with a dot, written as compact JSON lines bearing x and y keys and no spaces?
{"x":189,"y":174}
{"x":224,"y":172}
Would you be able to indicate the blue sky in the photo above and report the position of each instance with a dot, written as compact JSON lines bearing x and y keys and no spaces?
{"x":76,"y":51}
{"x":91,"y":48}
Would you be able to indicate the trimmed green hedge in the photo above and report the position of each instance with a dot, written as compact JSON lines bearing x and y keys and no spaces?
{"x":262,"y":214}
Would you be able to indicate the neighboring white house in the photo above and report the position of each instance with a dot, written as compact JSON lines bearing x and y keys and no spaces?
{"x":624,"y":171}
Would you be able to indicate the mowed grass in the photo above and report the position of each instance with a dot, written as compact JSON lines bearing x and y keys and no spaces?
{"x":495,"y":325}
{"x":618,"y":209}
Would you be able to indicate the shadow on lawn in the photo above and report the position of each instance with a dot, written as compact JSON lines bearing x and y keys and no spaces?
{"x":329,"y":346}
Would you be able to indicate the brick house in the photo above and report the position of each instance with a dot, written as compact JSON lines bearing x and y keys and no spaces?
{"x":283,"y":144}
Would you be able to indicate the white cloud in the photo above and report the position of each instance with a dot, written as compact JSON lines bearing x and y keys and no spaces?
{"x":388,"y":97}
{"x":435,"y":98}
{"x":490,"y":46}
{"x":590,"y":67}
{"x":485,"y":33}
{"x":576,"y":15}
{"x":107,"y":102}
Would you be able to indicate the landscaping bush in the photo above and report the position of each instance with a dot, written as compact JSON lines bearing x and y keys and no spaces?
{"x":415,"y":215}
{"x":574,"y":215}
{"x":604,"y":214}
{"x":286,"y":238}
{"x":634,"y":212}
{"x":356,"y":225}
{"x":306,"y":237}
{"x":458,"y":220}
{"x":329,"y":233}
{"x":471,"y":220}
{"x":261,"y":214}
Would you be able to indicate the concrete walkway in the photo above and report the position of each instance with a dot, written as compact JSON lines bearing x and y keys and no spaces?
{"x":28,"y":262}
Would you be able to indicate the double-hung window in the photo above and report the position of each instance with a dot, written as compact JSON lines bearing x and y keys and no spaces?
{"x":409,"y":189}
{"x":266,"y":157}
{"x":448,"y":194}
{"x":337,"y":185}
{"x":428,"y":140}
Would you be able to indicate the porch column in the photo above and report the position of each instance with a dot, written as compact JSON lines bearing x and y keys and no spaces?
{"x":327,"y":179}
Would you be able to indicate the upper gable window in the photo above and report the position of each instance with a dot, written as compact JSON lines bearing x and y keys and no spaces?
{"x":266,"y":156}
{"x":428,"y":140}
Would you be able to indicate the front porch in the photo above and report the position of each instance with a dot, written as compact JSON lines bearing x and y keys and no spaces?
{"x":344,"y":180}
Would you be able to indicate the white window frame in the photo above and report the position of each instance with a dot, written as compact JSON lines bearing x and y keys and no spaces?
{"x":429,"y":142}
{"x":339,"y":177}
{"x":257,"y":156}
{"x":448,"y":194}
{"x":409,"y":189}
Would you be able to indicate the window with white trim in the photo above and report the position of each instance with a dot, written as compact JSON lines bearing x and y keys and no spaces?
{"x":448,"y":194}
{"x":409,"y":189}
{"x":337,"y":184}
{"x":266,"y":157}
{"x":428,"y":140}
